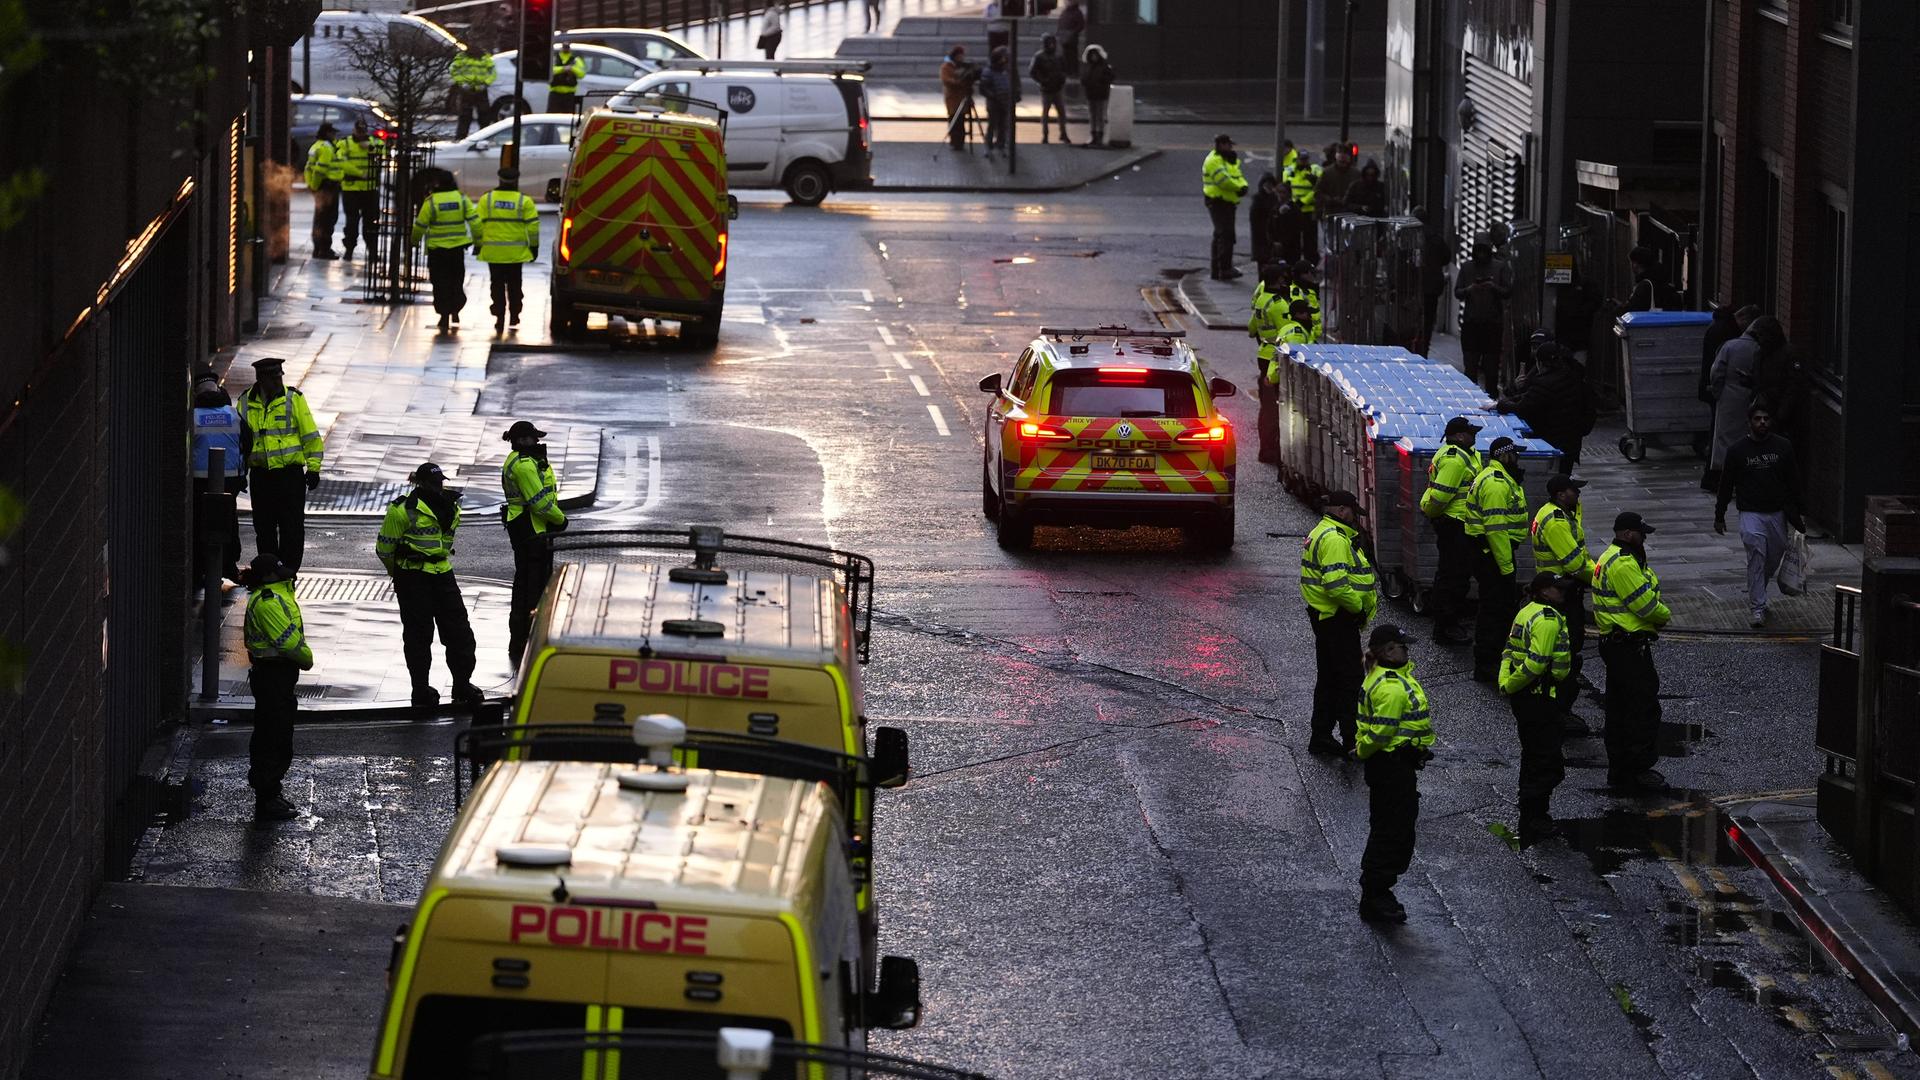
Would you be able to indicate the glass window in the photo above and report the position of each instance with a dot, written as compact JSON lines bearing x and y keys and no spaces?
{"x":1830,"y":290}
{"x":599,"y":64}
{"x":307,"y":114}
{"x":697,"y":1064}
{"x":445,"y":1027}
{"x":1769,"y":296}
{"x":1840,"y":15}
{"x":1024,"y":373}
{"x":1097,"y":392}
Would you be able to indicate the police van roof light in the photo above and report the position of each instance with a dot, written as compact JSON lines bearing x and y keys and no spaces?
{"x":533,"y":856}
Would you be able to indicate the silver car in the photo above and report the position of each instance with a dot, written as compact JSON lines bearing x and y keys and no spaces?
{"x":608,"y":72}
{"x":546,"y":143}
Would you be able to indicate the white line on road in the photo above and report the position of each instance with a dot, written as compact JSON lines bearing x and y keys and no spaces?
{"x":901,"y":359}
{"x":886,"y":335}
{"x":655,"y":489}
{"x":919,"y":387}
{"x":867,"y":294}
{"x":939,"y":422}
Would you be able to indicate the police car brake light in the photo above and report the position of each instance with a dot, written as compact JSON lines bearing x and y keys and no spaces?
{"x":1216,"y":433}
{"x":1122,"y":374}
{"x":1031,"y":430}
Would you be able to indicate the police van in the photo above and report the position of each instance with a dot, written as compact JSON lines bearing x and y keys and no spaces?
{"x":578,"y":904}
{"x":644,"y":218}
{"x":745,"y":635}
{"x":798,"y":125}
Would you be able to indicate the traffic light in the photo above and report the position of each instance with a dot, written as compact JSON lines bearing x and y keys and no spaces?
{"x":536,"y":40}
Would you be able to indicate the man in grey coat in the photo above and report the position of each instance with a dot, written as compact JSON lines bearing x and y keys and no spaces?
{"x":1732,"y":385}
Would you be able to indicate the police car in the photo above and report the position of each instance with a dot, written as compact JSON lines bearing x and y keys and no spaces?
{"x":1111,"y":427}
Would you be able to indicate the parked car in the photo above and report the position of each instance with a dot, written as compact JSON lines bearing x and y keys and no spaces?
{"x":312,"y":110}
{"x":608,"y":72}
{"x":649,"y":46}
{"x":801,"y":125}
{"x":322,"y":62}
{"x":546,"y":144}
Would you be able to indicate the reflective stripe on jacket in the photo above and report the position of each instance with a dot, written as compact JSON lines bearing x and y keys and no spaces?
{"x":1287,"y":332}
{"x":274,"y":628}
{"x":1626,"y":594}
{"x":509,"y":227}
{"x":217,"y":427}
{"x":531,"y":488}
{"x":1560,"y":542}
{"x":1539,"y":653}
{"x":1497,"y":510}
{"x":1222,"y":179}
{"x":1393,"y":712}
{"x":1449,"y":475}
{"x":358,"y":162}
{"x":446,"y":219}
{"x":280,"y":433}
{"x":1335,"y":573}
{"x":412,"y":538}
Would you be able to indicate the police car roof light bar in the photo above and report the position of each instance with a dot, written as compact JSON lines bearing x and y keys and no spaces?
{"x":776,"y":67}
{"x":1108,"y":331}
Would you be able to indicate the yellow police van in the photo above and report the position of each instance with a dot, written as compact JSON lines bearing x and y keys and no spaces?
{"x":578,"y":905}
{"x":750,"y":636}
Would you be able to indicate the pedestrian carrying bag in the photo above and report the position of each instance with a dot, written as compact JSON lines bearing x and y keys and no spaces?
{"x":1795,"y":566}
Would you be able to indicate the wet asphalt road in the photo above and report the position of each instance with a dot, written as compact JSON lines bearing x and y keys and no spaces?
{"x":1116,"y":859}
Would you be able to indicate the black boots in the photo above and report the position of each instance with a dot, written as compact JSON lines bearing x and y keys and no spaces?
{"x":1381,"y":907}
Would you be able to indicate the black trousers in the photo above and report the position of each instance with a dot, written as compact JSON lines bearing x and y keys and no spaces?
{"x":1269,"y":422}
{"x":1223,"y":214}
{"x":1499,"y":599}
{"x":280,"y":512}
{"x":504,"y":279}
{"x":1542,"y":764}
{"x":1309,"y":226}
{"x":1480,"y":351}
{"x":426,"y":601}
{"x":1429,"y":314}
{"x":223,"y":523}
{"x":1571,"y":607}
{"x":1452,"y":571}
{"x":1336,"y":687}
{"x":562,"y":103}
{"x":532,"y":568}
{"x":1633,"y":706}
{"x":1393,"y":805}
{"x":447,"y":270}
{"x":363,"y":214}
{"x":326,"y":217}
{"x":270,"y":750}
{"x":474,"y":107}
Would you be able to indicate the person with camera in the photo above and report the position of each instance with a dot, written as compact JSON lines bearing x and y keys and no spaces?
{"x":957,"y":76}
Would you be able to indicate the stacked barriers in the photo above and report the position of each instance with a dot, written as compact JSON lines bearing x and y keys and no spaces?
{"x":1368,"y":419}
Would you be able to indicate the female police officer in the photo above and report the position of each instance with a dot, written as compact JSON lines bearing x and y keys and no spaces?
{"x":1394,"y":732}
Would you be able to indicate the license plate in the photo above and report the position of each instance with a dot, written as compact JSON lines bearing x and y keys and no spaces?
{"x":1125,"y":461}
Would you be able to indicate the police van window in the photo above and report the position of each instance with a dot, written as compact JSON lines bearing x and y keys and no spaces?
{"x":445,"y":1028}
{"x":698,"y":1064}
{"x":1095,"y":392}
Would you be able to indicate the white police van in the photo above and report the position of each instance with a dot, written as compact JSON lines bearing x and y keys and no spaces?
{"x":801,"y":125}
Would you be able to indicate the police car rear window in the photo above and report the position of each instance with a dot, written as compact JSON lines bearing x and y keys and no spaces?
{"x":1120,"y":392}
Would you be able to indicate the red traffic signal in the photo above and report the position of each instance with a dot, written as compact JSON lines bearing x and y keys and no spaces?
{"x":536,"y":40}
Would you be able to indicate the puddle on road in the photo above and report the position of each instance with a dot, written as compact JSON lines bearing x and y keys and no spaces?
{"x":1692,"y":833}
{"x":1677,"y":739}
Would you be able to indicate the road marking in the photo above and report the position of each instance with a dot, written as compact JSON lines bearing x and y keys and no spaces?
{"x":939,"y":422}
{"x":655,"y":489}
{"x":921,"y":388}
{"x":901,"y":359}
{"x":886,"y":335}
{"x":867,"y":295}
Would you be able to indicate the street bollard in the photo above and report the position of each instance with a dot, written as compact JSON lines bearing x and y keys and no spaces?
{"x":212,"y":541}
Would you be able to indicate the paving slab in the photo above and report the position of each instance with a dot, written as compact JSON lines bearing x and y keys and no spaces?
{"x":255,"y":984}
{"x":353,"y":626}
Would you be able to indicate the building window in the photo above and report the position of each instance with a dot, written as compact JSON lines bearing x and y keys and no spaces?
{"x":1830,"y":288}
{"x":1839,"y":15}
{"x":1770,"y":245}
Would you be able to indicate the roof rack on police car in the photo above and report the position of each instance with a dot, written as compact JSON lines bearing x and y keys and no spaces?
{"x":775,"y":67}
{"x":616,"y":742}
{"x":638,"y":101}
{"x":709,"y":542}
{"x":1110,"y":331}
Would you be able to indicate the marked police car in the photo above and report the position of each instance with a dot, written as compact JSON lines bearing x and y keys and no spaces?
{"x":1108,"y":426}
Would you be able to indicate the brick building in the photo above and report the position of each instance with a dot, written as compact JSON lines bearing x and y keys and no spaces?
{"x":1811,"y":209}
{"x":130,"y":261}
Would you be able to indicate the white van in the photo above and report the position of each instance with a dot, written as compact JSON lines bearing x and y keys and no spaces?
{"x":801,"y":125}
{"x":322,"y":62}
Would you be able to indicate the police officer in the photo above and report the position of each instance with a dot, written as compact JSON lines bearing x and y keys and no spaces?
{"x":445,"y":222}
{"x":359,"y":159}
{"x":416,"y":547}
{"x":509,"y":237}
{"x":1302,"y":176}
{"x":1536,"y":667}
{"x":216,"y":424}
{"x":1629,"y":613}
{"x":1337,"y":583}
{"x":323,"y":172}
{"x":473,"y":75}
{"x":1305,"y":288}
{"x":284,"y":451}
{"x":1496,"y":521}
{"x":532,"y":512}
{"x":1444,"y":503}
{"x":1264,"y":328}
{"x":563,"y":86}
{"x":277,"y":653}
{"x":1223,"y":184}
{"x":1395,"y":731}
{"x":1559,"y":538}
